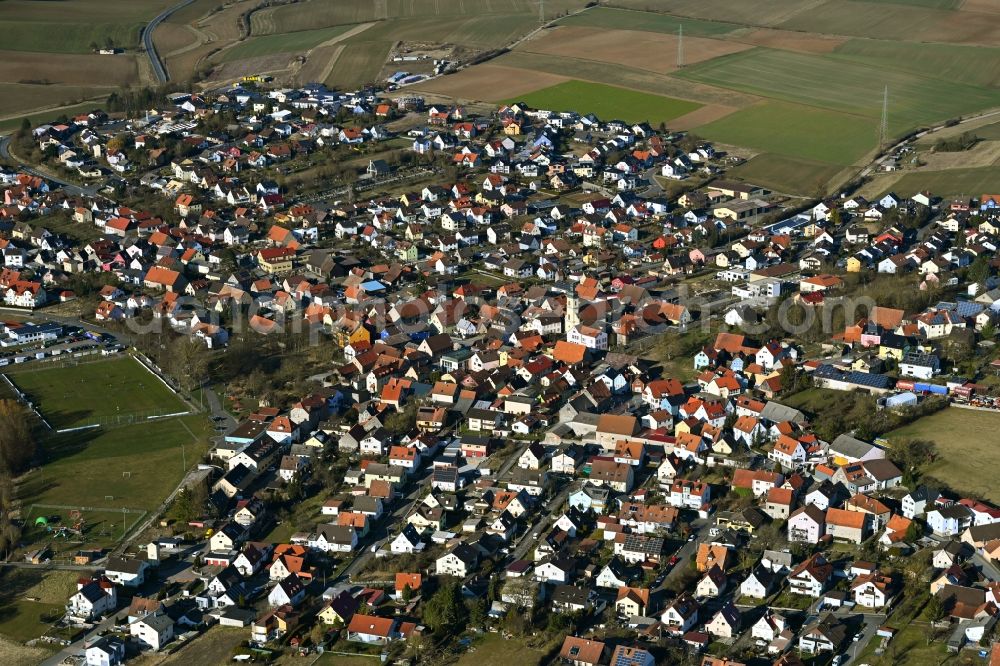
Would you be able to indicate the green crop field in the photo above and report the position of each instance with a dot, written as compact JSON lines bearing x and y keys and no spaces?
{"x":838,"y":85}
{"x":895,"y":21}
{"x":426,"y":15}
{"x":281,"y":43}
{"x":36,"y":36}
{"x":951,"y":183}
{"x":608,"y":102}
{"x":359,"y":64}
{"x":70,"y":26}
{"x":732,"y":11}
{"x":975,"y":65}
{"x":786,"y":174}
{"x":934,"y":4}
{"x":74,"y":396}
{"x":136,"y":466}
{"x":625,"y":19}
{"x":796,"y":131}
{"x":964,"y":438}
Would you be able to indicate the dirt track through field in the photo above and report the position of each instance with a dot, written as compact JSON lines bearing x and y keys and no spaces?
{"x":650,"y":51}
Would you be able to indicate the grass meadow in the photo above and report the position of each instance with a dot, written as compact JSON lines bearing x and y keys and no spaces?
{"x":965,"y":438}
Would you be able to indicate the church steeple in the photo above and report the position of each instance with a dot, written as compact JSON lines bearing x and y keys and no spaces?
{"x":571,"y":319}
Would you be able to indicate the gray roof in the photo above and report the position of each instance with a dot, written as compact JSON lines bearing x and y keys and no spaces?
{"x":851,"y":446}
{"x":776,"y":413}
{"x":159,"y":622}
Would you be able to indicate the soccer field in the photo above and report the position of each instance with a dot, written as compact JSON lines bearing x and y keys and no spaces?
{"x":116,"y":390}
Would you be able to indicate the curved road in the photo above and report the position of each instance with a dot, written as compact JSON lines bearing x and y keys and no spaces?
{"x":70,"y":188}
{"x":147,"y":40}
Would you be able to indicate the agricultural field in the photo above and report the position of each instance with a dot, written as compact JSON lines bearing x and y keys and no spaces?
{"x":608,"y":102}
{"x":281,"y":43}
{"x":805,"y":132}
{"x":625,"y":19}
{"x":951,"y":183}
{"x":652,"y":51}
{"x":837,"y":85}
{"x":14,"y":120}
{"x":897,"y":22}
{"x":734,"y":11}
{"x":785,"y":174}
{"x":19,"y":99}
{"x":358,"y":64}
{"x":106,"y":391}
{"x":963,"y":437}
{"x":505,"y":83}
{"x":974,"y":65}
{"x":29,"y":26}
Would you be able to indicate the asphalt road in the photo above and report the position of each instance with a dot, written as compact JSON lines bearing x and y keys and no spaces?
{"x":70,"y":188}
{"x":147,"y":40}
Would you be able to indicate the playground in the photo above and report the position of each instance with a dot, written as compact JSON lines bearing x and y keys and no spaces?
{"x":66,"y":530}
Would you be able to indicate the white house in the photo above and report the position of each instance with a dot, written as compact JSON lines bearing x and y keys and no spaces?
{"x":153,"y":631}
{"x":106,"y":651}
{"x":289,"y":590}
{"x":807,"y":524}
{"x":334,"y":538}
{"x":407,"y":541}
{"x":93,"y":598}
{"x":130,"y":572}
{"x":949,"y":520}
{"x":458,"y":562}
{"x":680,"y":615}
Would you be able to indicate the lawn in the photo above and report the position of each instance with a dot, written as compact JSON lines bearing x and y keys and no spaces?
{"x":87,"y":467}
{"x":215,"y":646}
{"x":282,"y":43}
{"x":834,"y":83}
{"x":966,"y":445}
{"x":810,"y":401}
{"x":625,"y":19}
{"x":493,"y":650}
{"x":26,"y":595}
{"x":797,"y":131}
{"x":101,"y":392}
{"x":608,"y":102}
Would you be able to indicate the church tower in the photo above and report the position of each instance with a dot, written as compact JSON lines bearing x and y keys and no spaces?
{"x":571,"y":319}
